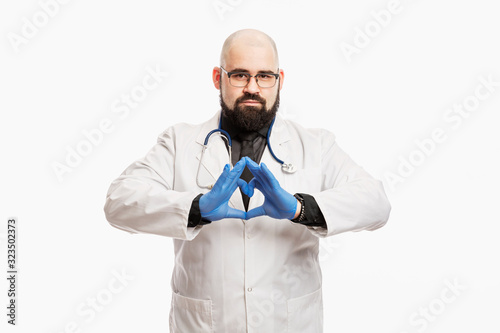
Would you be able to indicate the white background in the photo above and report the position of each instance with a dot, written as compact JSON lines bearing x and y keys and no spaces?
{"x":397,"y":89}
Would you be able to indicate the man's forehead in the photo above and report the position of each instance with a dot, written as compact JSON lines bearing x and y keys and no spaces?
{"x":244,"y":70}
{"x":252,"y":59}
{"x":250,"y":49}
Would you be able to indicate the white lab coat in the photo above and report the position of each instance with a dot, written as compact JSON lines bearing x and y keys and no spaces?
{"x":260,"y":275}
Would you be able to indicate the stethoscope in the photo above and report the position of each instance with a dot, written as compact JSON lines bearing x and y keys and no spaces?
{"x":285,"y":167}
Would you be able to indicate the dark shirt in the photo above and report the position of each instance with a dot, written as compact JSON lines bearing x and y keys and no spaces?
{"x":313,"y":214}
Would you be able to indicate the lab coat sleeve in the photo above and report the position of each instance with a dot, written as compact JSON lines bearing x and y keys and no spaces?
{"x":351,"y":199}
{"x":141,"y":200}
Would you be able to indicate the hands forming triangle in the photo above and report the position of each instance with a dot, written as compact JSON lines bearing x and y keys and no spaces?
{"x":278,"y":203}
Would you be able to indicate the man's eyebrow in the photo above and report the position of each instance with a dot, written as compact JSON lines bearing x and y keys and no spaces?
{"x":266,"y":72}
{"x":242,"y":70}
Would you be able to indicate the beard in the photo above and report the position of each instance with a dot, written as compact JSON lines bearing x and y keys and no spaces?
{"x":250,"y":118}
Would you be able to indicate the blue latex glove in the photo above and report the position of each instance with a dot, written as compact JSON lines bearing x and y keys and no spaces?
{"x":278,"y":203}
{"x":214,"y":204}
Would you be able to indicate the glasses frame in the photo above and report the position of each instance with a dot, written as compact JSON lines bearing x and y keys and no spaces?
{"x":229,"y":74}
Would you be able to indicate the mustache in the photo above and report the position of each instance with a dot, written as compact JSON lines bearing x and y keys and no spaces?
{"x":254,"y":97}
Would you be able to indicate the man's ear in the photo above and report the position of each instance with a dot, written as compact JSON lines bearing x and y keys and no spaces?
{"x":216,"y":77}
{"x":282,"y":78}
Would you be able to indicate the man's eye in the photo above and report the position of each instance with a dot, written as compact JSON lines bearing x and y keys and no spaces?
{"x":239,"y":76}
{"x":265,"y":77}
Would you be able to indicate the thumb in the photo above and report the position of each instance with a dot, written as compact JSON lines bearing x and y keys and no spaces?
{"x":258,"y":211}
{"x":224,"y":174}
{"x":235,"y":213}
{"x":246,"y":188}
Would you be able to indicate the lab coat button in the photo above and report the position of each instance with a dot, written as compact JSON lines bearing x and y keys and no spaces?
{"x":249,"y":290}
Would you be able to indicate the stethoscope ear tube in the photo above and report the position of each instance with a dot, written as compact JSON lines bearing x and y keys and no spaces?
{"x":223,"y":134}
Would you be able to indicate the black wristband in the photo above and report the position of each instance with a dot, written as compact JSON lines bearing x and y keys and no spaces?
{"x":302,"y":214}
{"x":313,"y":217}
{"x":195,"y":218}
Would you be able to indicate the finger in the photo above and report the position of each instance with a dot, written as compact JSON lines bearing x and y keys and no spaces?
{"x":269,"y":175}
{"x":225,"y":171}
{"x":223,"y":176}
{"x":254,"y":168}
{"x":236,"y":213}
{"x":245,"y":187}
{"x":243,"y":160}
{"x":263,"y":176}
{"x":251,"y":163}
{"x":252,"y":184}
{"x":237,"y":170}
{"x":258,"y":211}
{"x":256,"y":184}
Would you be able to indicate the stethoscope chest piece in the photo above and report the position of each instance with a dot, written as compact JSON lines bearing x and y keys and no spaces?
{"x":288,"y":168}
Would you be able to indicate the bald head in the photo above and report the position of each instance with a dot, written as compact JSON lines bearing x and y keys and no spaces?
{"x":248,"y":38}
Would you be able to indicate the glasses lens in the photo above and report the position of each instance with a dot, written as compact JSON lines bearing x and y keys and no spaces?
{"x":266,"y":80}
{"x":239,"y":79}
{"x":263,"y":80}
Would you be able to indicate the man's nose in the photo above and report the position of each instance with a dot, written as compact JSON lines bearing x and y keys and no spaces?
{"x":252,"y":87}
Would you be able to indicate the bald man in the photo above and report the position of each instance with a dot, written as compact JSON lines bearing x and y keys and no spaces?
{"x":246,"y":217}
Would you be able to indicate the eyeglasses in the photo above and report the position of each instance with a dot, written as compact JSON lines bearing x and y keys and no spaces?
{"x":241,"y":79}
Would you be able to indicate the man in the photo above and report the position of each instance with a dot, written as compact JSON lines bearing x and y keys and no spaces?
{"x":246,"y":249}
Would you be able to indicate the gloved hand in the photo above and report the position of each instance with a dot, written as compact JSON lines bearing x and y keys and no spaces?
{"x":278,"y":203}
{"x":214,"y":204}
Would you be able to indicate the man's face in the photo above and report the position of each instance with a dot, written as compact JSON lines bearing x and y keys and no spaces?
{"x":251,"y":107}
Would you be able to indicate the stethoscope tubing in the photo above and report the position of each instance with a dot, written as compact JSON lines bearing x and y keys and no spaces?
{"x":268,"y":137}
{"x":288,"y":168}
{"x":226,"y":134}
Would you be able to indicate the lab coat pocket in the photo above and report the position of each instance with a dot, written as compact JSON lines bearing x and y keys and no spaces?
{"x":190,"y":315}
{"x":305,"y":313}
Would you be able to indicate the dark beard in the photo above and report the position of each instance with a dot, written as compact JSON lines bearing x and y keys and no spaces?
{"x":250,"y":118}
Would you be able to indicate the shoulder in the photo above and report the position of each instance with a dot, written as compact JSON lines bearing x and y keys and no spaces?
{"x":320,"y":135}
{"x":180,"y":128}
{"x":178,"y":132}
{"x":186,"y":131}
